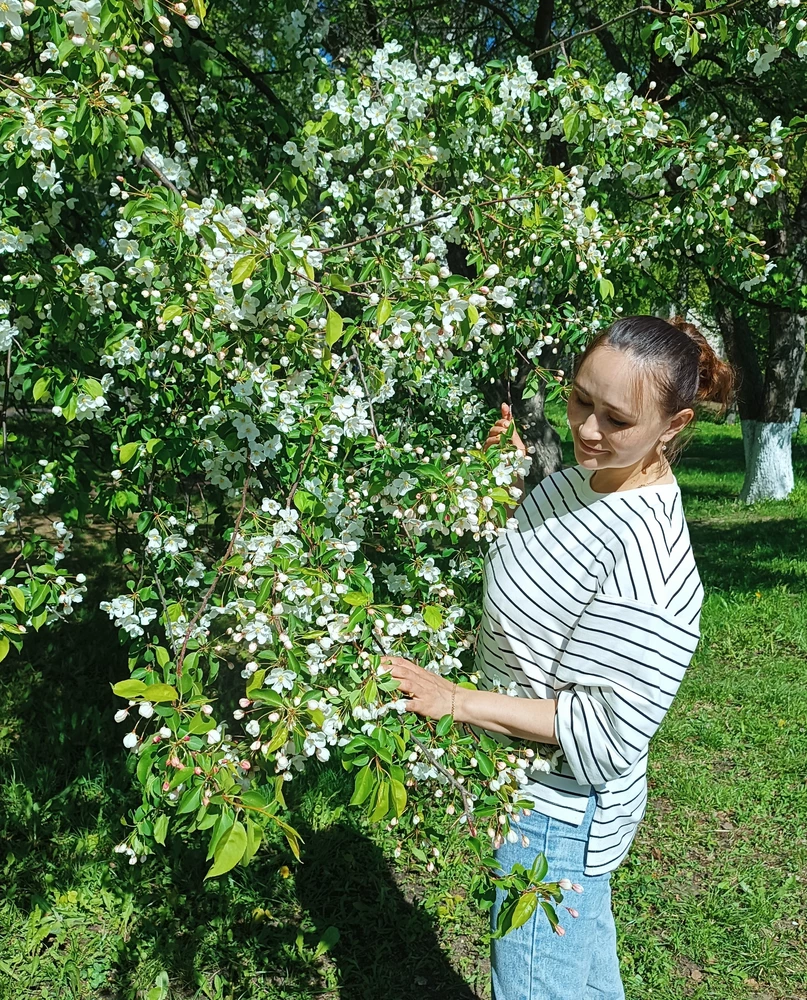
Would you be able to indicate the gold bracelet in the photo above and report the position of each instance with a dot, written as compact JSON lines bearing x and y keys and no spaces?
{"x":453,"y":692}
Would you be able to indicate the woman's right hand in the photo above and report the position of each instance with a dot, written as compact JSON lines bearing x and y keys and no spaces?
{"x":501,"y":425}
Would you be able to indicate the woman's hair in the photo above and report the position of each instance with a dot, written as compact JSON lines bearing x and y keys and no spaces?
{"x":676,"y":355}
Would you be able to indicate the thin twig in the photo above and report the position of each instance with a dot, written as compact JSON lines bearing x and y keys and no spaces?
{"x":5,"y":406}
{"x":22,"y":546}
{"x":366,"y":392}
{"x":467,"y":802}
{"x":148,"y":162}
{"x":300,"y":473}
{"x":219,"y":571}
{"x":645,"y":8}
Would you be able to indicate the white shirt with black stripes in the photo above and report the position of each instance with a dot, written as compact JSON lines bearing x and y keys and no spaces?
{"x":595,"y":601}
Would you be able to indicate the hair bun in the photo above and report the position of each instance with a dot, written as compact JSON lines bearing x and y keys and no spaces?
{"x":715,"y":377}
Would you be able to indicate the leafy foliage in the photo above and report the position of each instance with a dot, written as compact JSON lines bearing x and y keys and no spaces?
{"x":261,"y":362}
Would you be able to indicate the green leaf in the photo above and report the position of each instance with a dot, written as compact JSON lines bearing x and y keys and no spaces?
{"x":357,"y":598}
{"x":41,"y":388}
{"x":254,"y":837}
{"x":160,"y":692}
{"x":444,"y":725}
{"x":229,"y":850}
{"x":127,"y":451}
{"x":4,"y":647}
{"x":172,"y":312}
{"x":433,"y":616}
{"x":398,"y":794}
{"x":549,"y":910}
{"x":539,"y":868}
{"x":383,"y":311}
{"x":524,"y":909}
{"x":485,"y":765}
{"x":333,"y":327}
{"x":136,"y":144}
{"x":381,"y":803}
{"x":190,"y":801}
{"x":362,"y":786}
{"x":17,"y":597}
{"x":161,"y":828}
{"x":243,"y":269}
{"x":606,"y":288}
{"x":162,"y":654}
{"x":571,"y":125}
{"x":327,"y":941}
{"x":130,"y":688}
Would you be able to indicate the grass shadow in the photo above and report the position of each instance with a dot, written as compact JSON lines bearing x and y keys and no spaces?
{"x":387,"y":945}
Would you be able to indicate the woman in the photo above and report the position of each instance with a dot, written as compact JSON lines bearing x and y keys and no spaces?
{"x":591,"y":613}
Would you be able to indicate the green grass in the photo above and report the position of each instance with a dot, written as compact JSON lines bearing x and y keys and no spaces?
{"x":712,"y":901}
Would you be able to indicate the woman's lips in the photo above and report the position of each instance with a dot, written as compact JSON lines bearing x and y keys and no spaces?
{"x":589,"y":451}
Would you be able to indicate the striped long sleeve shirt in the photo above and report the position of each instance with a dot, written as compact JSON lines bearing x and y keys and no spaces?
{"x":595,"y":601}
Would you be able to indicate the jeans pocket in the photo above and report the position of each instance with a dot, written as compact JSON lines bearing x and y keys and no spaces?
{"x":576,"y":831}
{"x":568,"y":831}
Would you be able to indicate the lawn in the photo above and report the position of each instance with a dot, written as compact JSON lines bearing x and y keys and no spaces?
{"x":711,"y":903}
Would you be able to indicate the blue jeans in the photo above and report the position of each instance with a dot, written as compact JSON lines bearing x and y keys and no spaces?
{"x":535,"y":963}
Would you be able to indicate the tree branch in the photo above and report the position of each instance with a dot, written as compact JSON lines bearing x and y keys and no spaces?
{"x":219,"y":571}
{"x":467,"y":801}
{"x":612,"y":50}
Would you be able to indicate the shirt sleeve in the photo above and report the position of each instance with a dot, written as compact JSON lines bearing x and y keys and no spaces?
{"x":616,"y":679}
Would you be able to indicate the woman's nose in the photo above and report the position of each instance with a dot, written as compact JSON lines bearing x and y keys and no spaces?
{"x":590,"y":428}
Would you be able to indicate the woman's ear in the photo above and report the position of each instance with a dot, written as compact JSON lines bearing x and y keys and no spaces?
{"x":677,"y":424}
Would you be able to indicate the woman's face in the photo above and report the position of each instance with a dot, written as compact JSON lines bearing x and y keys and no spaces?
{"x":615,"y":413}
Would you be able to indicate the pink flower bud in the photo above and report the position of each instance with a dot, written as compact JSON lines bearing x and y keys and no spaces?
{"x":565,"y":884}
{"x":559,"y":931}
{"x":576,"y":887}
{"x":197,"y":770}
{"x":166,"y":785}
{"x":244,"y":702}
{"x":573,"y":912}
{"x":245,"y":765}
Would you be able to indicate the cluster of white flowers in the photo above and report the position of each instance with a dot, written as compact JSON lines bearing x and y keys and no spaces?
{"x":10,"y":503}
{"x":122,"y":611}
{"x":45,"y":487}
{"x":100,"y":293}
{"x":69,"y":594}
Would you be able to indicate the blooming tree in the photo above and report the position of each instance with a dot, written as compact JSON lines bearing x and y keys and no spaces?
{"x":262,"y":369}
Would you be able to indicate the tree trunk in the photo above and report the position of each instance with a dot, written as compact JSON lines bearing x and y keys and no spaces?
{"x":536,"y":431}
{"x":768,"y":460}
{"x":766,"y":402}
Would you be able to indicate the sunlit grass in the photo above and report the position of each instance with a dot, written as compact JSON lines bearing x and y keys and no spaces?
{"x":710,"y":904}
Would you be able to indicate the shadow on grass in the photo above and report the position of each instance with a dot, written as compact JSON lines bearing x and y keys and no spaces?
{"x":750,"y":548}
{"x":387,"y":946}
{"x":756,"y":554}
{"x":64,"y":786}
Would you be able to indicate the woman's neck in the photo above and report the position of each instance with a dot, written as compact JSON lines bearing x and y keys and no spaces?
{"x":628,"y":478}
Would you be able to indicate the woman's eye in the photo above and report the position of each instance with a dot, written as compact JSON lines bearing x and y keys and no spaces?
{"x":618,"y":423}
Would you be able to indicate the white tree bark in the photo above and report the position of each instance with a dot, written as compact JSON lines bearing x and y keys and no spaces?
{"x":768,"y":460}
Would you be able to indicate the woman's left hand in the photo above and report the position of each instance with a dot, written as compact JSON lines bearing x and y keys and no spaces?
{"x":429,"y":694}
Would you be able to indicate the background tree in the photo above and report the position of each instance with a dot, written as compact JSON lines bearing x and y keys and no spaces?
{"x":254,"y":290}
